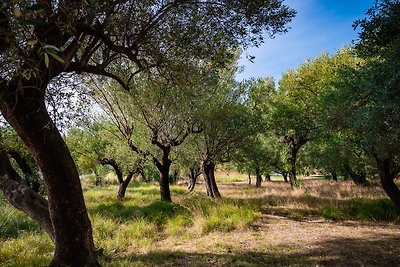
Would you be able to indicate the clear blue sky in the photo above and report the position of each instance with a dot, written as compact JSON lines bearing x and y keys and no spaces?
{"x":319,"y":26}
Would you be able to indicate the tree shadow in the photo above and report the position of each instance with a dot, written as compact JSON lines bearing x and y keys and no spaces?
{"x":372,"y":251}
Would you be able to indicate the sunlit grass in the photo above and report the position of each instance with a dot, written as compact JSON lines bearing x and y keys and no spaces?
{"x":136,"y":225}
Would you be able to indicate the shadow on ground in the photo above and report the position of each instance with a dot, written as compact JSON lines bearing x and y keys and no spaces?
{"x":382,"y":251}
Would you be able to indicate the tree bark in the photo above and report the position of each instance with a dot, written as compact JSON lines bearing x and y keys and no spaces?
{"x":258,"y":177}
{"x":122,"y":184}
{"x":357,"y":178}
{"x":22,"y":197}
{"x":27,"y":114}
{"x":31,"y":178}
{"x":292,"y":173}
{"x":285,"y":176}
{"x":208,"y":169}
{"x":163,"y":167}
{"x":249,"y":178}
{"x":387,"y":177}
{"x":268,"y":178}
{"x":194,"y":173}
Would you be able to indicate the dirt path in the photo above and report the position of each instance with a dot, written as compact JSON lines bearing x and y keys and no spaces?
{"x":276,"y":240}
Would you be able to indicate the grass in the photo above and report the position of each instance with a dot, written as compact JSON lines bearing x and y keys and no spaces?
{"x":139,"y":224}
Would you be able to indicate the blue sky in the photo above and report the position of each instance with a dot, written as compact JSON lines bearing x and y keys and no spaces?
{"x":319,"y":26}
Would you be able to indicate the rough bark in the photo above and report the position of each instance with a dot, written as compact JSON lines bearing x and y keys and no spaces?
{"x":22,"y":197}
{"x":208,"y":169}
{"x":387,"y":176}
{"x":27,"y":114}
{"x":258,"y":177}
{"x":163,"y":167}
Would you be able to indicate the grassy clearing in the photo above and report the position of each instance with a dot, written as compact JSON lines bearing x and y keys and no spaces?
{"x":131,"y":231}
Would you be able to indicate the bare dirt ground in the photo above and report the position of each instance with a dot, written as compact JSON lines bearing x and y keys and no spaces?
{"x":279,"y":239}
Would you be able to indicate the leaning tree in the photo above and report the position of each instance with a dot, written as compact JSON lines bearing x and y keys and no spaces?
{"x":40,"y":40}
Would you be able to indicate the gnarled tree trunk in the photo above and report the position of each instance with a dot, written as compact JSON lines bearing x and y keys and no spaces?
{"x":208,"y":169}
{"x":122,"y":184}
{"x":387,"y":174}
{"x":194,"y":173}
{"x":22,"y":197}
{"x":27,"y":114}
{"x":163,"y":167}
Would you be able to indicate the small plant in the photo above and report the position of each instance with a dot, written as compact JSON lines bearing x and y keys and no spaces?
{"x":332,"y":213}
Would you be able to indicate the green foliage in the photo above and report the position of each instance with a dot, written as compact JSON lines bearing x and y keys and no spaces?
{"x":376,"y":210}
{"x":332,"y":213}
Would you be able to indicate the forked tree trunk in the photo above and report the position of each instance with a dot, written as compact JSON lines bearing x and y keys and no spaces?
{"x":258,"y":177}
{"x":268,"y":178}
{"x":122,"y":184}
{"x":72,"y":228}
{"x":208,"y":169}
{"x":387,"y":177}
{"x":194,"y":173}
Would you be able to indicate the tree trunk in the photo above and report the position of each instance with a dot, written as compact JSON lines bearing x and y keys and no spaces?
{"x":357,"y":178}
{"x":249,"y":178}
{"x":268,"y":178}
{"x":27,"y":114}
{"x":258,"y":177}
{"x":194,"y":173}
{"x":23,"y":197}
{"x":387,"y":180}
{"x":334,"y":175}
{"x":163,"y":167}
{"x":285,"y":176}
{"x":292,"y":173}
{"x":207,"y":169}
{"x":31,"y":178}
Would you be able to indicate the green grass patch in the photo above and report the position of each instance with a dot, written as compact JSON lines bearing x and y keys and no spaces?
{"x":377,"y":210}
{"x":332,"y":213}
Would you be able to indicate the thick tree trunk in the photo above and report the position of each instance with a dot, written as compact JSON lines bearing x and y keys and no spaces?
{"x":387,"y":177}
{"x":163,"y":167}
{"x":72,"y":228}
{"x":208,"y":169}
{"x":258,"y":177}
